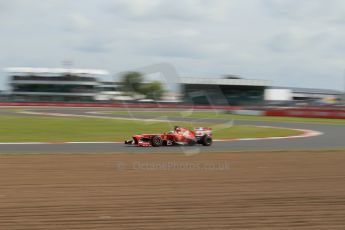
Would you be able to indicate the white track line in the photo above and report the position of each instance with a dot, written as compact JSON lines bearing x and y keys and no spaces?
{"x":306,"y":132}
{"x":87,"y":116}
{"x":24,"y":143}
{"x":61,"y":143}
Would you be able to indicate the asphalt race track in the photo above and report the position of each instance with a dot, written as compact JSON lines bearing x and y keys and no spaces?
{"x":332,"y":137}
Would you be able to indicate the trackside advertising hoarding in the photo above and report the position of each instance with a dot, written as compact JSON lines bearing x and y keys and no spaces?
{"x":311,"y":113}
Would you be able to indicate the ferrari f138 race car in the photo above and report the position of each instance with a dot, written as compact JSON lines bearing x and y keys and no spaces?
{"x":179,"y":136}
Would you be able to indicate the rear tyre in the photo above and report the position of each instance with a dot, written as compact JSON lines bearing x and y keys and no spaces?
{"x":156,"y":141}
{"x":206,"y":140}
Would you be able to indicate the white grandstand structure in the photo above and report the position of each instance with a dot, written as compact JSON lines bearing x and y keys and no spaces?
{"x":54,"y":84}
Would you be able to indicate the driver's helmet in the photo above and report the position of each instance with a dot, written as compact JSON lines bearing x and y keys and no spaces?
{"x":177,"y":129}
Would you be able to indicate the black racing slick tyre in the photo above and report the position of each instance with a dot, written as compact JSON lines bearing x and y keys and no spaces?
{"x":129,"y":142}
{"x":206,"y":140}
{"x":156,"y":141}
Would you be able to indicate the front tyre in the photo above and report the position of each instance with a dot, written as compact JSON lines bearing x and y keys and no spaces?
{"x":156,"y":141}
{"x":129,"y":142}
{"x":206,"y":140}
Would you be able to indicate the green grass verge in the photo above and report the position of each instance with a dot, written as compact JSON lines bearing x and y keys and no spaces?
{"x":25,"y":129}
{"x":221,"y":115}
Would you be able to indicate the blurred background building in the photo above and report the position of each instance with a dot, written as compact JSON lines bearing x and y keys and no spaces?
{"x":109,"y":91}
{"x":88,"y":85}
{"x":53,"y":84}
{"x":222,"y":91}
{"x":294,"y":95}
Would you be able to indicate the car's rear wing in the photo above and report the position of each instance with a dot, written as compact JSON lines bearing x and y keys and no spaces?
{"x":201,"y":131}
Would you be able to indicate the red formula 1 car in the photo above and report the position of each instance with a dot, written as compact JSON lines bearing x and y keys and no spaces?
{"x":179,"y":136}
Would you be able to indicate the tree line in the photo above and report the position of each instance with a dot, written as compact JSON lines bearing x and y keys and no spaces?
{"x":132,"y":84}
